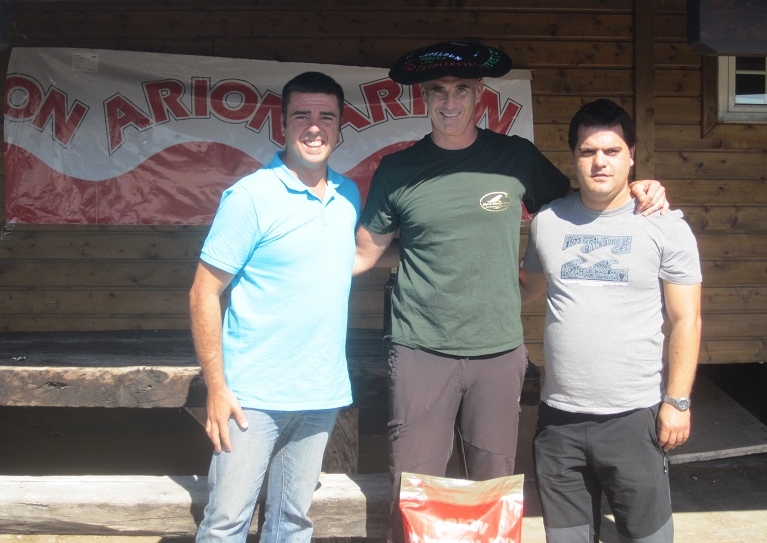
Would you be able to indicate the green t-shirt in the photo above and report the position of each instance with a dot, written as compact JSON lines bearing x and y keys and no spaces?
{"x":459,"y":213}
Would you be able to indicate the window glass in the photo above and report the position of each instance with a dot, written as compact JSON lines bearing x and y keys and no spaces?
{"x":749,"y":89}
{"x":750,"y":80}
{"x":749,"y":63}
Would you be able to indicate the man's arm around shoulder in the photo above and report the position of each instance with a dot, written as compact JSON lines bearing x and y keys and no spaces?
{"x":205,"y":309}
{"x":375,"y":251}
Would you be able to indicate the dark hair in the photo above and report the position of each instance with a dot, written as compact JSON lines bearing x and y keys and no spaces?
{"x":311,"y":82}
{"x":601,"y":113}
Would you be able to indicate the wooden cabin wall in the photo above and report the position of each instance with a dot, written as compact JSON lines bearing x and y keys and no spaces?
{"x":633,"y":51}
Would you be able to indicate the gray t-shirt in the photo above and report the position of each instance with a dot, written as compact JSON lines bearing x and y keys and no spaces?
{"x":603,"y":340}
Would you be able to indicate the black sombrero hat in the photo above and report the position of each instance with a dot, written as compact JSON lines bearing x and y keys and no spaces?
{"x":450,"y":58}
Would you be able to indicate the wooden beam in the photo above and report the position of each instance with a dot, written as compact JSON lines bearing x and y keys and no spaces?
{"x":709,"y":95}
{"x":644,"y":89}
{"x":343,"y":506}
{"x":142,"y":368}
{"x":727,"y":27}
{"x":133,"y":386}
{"x":147,"y":387}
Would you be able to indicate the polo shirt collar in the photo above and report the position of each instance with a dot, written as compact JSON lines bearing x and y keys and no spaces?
{"x":295,"y":184}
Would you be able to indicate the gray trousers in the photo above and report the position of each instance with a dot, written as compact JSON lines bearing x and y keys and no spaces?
{"x":433,"y":396}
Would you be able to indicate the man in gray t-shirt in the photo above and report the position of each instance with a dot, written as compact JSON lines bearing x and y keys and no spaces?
{"x":607,"y":414}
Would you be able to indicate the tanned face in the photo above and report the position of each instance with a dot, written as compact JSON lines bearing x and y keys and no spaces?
{"x":451,"y":103}
{"x":312,"y":129}
{"x":603,"y":161}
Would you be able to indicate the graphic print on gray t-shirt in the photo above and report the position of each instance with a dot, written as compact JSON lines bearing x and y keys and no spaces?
{"x":593,"y":266}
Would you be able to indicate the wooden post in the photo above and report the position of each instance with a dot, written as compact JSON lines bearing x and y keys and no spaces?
{"x":644,"y":88}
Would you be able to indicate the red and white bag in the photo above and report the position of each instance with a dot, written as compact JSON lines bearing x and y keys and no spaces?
{"x":443,"y":510}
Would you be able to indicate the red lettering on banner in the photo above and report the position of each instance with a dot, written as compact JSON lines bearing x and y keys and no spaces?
{"x":200,"y":87}
{"x":271,"y":108}
{"x":419,"y":104}
{"x":54,"y":109}
{"x":352,"y":117}
{"x":25,"y":101}
{"x":382,"y":96}
{"x":498,"y":119}
{"x":230,"y":100}
{"x":165,"y":97}
{"x":23,"y":97}
{"x":233,"y":101}
{"x":384,"y":100}
{"x":120,"y":114}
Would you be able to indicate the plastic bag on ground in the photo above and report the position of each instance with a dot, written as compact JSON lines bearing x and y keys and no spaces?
{"x":444,"y":510}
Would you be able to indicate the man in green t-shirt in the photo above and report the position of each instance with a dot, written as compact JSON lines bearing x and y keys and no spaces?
{"x":457,"y":357}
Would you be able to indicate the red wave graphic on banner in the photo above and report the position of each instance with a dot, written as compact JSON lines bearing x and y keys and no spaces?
{"x":180,"y":185}
{"x":363,"y":172}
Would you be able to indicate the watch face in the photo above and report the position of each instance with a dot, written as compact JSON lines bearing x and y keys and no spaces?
{"x":683,"y":404}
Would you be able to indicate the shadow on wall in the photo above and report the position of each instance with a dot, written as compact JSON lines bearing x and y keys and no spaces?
{"x":745,"y":383}
{"x":101,"y":441}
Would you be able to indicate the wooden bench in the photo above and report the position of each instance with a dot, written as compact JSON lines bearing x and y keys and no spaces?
{"x":141,"y":368}
{"x":343,"y":506}
{"x":148,"y":369}
{"x":158,"y":369}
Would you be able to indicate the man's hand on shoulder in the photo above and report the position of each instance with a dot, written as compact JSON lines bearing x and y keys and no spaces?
{"x":651,"y":197}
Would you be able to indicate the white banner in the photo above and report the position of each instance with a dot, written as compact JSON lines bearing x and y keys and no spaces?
{"x":117,"y":137}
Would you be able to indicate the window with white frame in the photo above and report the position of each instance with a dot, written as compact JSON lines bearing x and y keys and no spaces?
{"x":743,"y":89}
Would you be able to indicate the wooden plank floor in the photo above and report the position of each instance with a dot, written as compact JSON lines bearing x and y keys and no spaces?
{"x":721,"y":428}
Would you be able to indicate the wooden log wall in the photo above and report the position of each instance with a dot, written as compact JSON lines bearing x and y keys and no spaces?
{"x":633,"y":51}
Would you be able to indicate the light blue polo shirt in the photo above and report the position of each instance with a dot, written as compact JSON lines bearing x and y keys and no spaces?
{"x":284,"y":334}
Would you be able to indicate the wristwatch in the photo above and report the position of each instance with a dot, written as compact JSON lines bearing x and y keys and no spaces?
{"x":682,"y":404}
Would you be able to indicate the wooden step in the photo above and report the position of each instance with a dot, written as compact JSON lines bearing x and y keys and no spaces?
{"x":344,"y":505}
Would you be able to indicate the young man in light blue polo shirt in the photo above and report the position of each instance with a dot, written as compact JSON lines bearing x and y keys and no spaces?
{"x":276,"y":374}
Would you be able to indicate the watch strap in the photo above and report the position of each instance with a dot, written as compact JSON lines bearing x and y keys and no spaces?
{"x":682,"y":404}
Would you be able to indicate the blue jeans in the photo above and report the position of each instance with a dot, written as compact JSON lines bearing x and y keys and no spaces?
{"x":291,"y":445}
